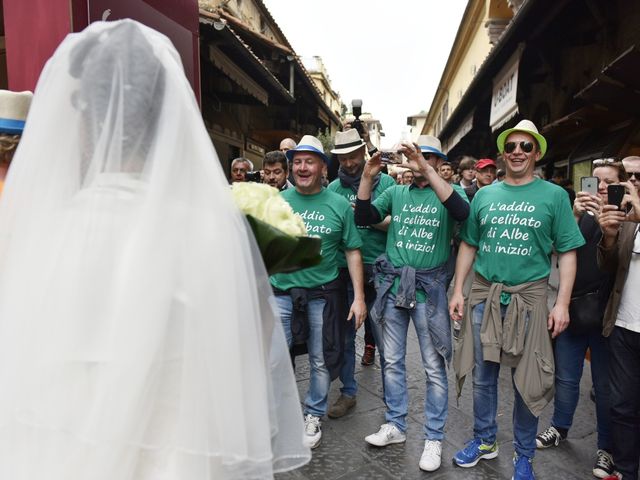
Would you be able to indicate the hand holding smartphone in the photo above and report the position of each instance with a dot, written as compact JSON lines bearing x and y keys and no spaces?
{"x":390,"y":156}
{"x":589,"y":185}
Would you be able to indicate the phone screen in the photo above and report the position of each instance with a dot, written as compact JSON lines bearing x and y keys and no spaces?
{"x":589,"y":185}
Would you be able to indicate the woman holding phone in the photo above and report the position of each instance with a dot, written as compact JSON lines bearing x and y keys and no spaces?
{"x":588,"y":300}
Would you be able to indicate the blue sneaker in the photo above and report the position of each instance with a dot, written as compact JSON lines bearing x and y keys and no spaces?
{"x":475,"y":451}
{"x":522,"y":468}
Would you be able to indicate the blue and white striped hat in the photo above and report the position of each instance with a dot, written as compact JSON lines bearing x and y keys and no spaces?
{"x":14,"y":107}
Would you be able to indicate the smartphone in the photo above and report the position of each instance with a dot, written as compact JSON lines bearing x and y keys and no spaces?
{"x":390,"y":156}
{"x":589,"y":185}
{"x":615,"y":194}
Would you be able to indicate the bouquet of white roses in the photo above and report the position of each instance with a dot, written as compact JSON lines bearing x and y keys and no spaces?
{"x":279,"y":231}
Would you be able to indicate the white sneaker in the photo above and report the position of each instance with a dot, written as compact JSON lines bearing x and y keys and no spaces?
{"x":312,"y":431}
{"x":387,"y":435}
{"x":431,"y":455}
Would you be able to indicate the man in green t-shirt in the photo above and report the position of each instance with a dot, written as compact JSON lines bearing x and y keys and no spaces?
{"x":310,"y":300}
{"x":410,"y":282}
{"x":350,"y":149}
{"x":511,"y":232}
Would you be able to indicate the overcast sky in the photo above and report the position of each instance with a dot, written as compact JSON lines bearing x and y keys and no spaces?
{"x":390,"y":54}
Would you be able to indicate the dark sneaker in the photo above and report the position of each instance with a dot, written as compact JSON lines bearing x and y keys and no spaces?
{"x":342,"y":405}
{"x":369,"y":355}
{"x":522,"y":468}
{"x":475,"y":451}
{"x":549,"y":438}
{"x":604,"y":464}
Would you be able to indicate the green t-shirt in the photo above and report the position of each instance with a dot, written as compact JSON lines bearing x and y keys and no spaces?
{"x":373,"y":240}
{"x":329,"y":217}
{"x":515,"y":229}
{"x":421,"y":228}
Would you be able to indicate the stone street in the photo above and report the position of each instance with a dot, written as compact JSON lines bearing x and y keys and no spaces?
{"x":343,"y":453}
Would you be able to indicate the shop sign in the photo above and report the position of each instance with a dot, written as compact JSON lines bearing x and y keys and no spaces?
{"x":505,"y":89}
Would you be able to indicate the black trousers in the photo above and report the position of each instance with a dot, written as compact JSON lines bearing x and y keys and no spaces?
{"x":624,"y":373}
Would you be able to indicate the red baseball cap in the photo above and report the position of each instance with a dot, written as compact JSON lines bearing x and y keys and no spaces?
{"x":485,"y":162}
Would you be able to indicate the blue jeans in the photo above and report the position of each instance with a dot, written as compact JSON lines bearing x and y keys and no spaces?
{"x":395,"y":325}
{"x":570,"y":350}
{"x":347,"y":373}
{"x":485,"y":399}
{"x":315,"y":402}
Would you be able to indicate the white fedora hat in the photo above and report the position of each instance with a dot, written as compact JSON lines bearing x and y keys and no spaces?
{"x":347,"y":142}
{"x":308,"y":143}
{"x":430,"y":144}
{"x":14,"y":107}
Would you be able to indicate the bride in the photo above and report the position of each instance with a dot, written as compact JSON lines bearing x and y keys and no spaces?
{"x":137,"y":340}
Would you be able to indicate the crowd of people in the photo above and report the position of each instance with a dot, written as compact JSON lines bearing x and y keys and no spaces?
{"x":495,"y":232}
{"x":121,"y":353}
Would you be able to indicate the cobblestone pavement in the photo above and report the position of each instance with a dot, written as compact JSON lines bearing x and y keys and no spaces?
{"x":343,"y":453}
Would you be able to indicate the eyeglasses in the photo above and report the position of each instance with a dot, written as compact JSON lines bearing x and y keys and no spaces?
{"x":526,"y":147}
{"x":634,"y":174}
{"x":604,"y":161}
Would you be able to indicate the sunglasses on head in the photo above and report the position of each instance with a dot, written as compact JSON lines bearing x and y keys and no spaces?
{"x":526,"y":147}
{"x":604,"y":161}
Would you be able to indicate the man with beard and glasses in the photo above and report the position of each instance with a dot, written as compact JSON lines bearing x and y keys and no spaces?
{"x":511,"y":232}
{"x":350,"y":150}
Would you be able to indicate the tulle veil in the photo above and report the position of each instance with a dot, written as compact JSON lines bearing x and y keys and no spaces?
{"x":137,"y":336}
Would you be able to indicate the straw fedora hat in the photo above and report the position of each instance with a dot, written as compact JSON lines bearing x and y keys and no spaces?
{"x":347,"y":142}
{"x":14,"y":107}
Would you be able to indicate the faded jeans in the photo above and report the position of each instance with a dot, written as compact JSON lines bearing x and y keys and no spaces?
{"x":395,"y":325}
{"x":315,"y":402}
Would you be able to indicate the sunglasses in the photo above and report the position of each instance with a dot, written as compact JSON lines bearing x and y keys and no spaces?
{"x":634,"y":174}
{"x":604,"y":161}
{"x":526,"y":147}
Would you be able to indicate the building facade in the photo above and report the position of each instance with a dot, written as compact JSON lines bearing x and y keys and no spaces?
{"x":570,"y":66}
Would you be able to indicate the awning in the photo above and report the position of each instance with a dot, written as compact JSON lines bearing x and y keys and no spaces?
{"x":459,"y":134}
{"x":242,"y":58}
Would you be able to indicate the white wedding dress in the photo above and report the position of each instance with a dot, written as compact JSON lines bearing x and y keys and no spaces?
{"x":137,"y":339}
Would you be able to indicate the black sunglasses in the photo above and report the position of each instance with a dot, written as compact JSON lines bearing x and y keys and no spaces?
{"x":634,"y":174}
{"x":526,"y":147}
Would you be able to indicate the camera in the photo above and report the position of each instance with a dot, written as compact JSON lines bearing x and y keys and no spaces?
{"x":253,"y":176}
{"x":356,"y":109}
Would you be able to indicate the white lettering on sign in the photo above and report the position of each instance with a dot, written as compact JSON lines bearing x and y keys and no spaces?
{"x":505,"y":89}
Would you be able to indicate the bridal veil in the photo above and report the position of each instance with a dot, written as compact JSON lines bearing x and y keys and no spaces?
{"x":137,"y":337}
